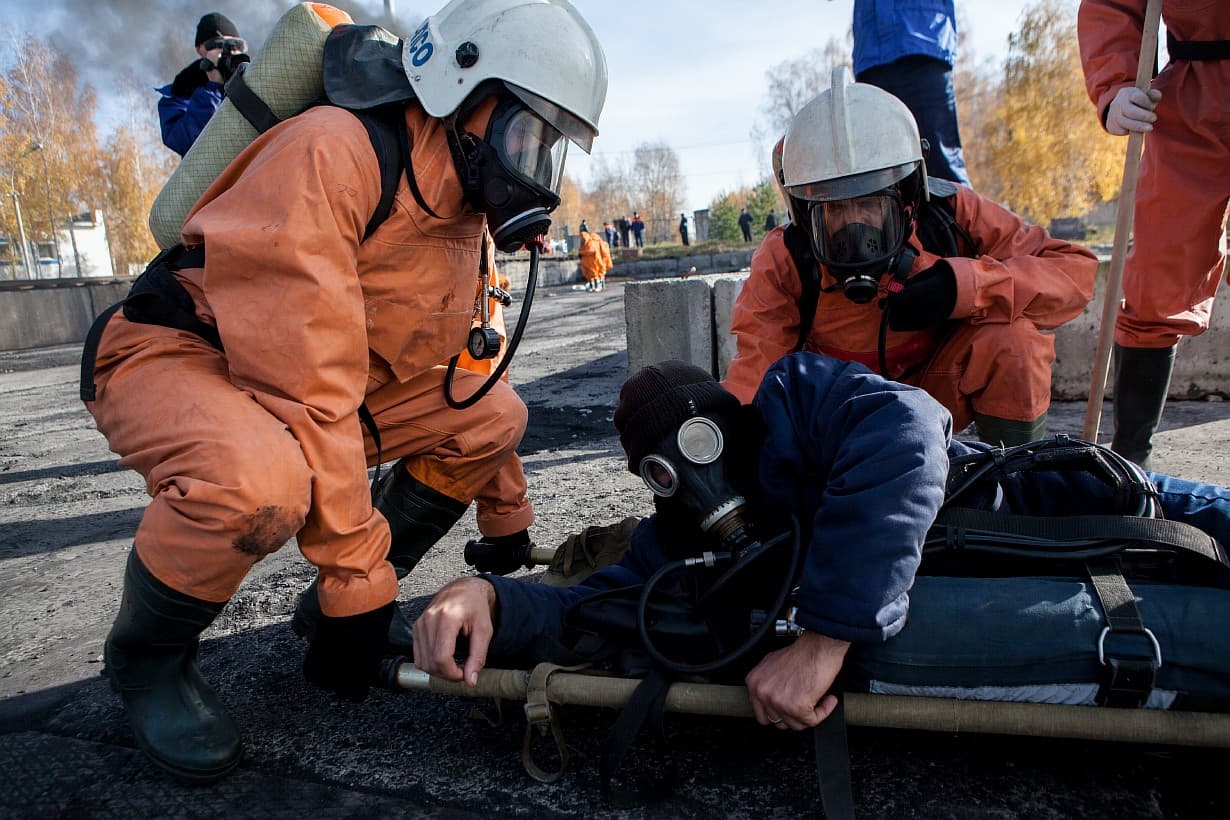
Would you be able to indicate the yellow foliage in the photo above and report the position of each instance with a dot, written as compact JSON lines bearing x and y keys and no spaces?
{"x":1045,"y":153}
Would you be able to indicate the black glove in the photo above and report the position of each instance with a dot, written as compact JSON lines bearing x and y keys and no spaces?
{"x":924,"y":300}
{"x":345,"y":655}
{"x":500,"y":554}
{"x":188,"y":80}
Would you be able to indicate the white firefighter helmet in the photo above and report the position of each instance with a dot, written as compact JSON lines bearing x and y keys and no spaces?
{"x":543,"y":50}
{"x":850,"y":140}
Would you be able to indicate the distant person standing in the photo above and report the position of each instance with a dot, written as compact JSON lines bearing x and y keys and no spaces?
{"x":638,"y":229}
{"x":770,"y":221}
{"x":584,"y":226}
{"x":745,"y":225}
{"x":196,"y":92}
{"x":625,"y":230}
{"x":683,"y":229}
{"x":908,"y":49}
{"x":608,"y":230}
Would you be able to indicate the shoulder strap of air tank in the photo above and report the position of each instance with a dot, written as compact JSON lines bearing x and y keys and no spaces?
{"x":383,"y":130}
{"x":246,"y":101}
{"x":809,"y":275}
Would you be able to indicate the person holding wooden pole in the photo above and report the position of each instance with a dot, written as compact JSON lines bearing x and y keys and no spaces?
{"x":1173,"y":272}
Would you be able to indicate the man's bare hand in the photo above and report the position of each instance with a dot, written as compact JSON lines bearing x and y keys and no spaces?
{"x":214,"y":74}
{"x":1132,"y":110}
{"x":789,"y":687}
{"x":464,"y":607}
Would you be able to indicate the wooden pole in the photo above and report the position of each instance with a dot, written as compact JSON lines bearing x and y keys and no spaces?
{"x":1123,"y":229}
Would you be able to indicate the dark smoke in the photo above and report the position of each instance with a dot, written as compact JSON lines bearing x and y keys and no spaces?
{"x":154,"y":38}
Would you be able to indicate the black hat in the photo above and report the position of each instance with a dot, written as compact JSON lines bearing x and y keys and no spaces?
{"x":214,"y":25}
{"x":658,"y":398}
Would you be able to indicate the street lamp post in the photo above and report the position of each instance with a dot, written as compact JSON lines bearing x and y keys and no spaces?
{"x":51,"y":221}
{"x":21,"y":230}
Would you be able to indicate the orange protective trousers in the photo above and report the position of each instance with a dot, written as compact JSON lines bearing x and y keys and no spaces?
{"x":1176,"y":263}
{"x":244,"y":449}
{"x":994,"y":358}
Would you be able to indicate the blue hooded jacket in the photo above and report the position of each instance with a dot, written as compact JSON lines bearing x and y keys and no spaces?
{"x":183,"y":118}
{"x":860,"y":461}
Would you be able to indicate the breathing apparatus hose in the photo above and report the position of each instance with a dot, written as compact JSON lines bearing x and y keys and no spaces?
{"x":531,"y":285}
{"x":642,"y":626}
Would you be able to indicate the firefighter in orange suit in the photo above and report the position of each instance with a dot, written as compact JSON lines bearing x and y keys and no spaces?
{"x":1175,"y":265}
{"x":247,"y":425}
{"x":967,"y":326}
{"x":595,"y":256}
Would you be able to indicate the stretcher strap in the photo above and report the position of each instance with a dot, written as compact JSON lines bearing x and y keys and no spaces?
{"x":833,"y":764}
{"x":541,"y":718}
{"x":1127,"y":676}
{"x":956,"y":524}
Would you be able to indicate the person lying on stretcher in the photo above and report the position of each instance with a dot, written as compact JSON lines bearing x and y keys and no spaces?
{"x":858,"y":461}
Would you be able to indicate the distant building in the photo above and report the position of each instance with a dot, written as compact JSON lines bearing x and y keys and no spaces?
{"x":83,"y":249}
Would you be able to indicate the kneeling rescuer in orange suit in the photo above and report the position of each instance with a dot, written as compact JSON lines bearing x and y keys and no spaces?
{"x":256,"y":437}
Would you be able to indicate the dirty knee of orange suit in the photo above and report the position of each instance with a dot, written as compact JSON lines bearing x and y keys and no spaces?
{"x":1000,"y":370}
{"x":228,"y":482}
{"x":502,"y":505}
{"x":1176,"y":263}
{"x":455,"y":452}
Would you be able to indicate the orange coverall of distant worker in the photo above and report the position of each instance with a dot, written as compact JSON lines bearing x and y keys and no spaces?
{"x":991,"y":358}
{"x":244,"y":449}
{"x":1176,"y":262}
{"x":595,"y":256}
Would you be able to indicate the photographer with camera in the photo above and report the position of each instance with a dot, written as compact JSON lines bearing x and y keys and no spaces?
{"x":196,"y":92}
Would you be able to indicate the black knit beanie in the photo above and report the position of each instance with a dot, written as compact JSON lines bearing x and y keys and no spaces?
{"x":214,"y":25}
{"x":659,"y":398}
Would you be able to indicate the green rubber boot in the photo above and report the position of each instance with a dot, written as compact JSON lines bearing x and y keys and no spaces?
{"x":1008,"y":433}
{"x":151,"y":659}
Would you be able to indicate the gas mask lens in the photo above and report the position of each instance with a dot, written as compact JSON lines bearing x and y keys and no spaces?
{"x":659,"y":476}
{"x":533,"y":149}
{"x":861,"y":232}
{"x":699,"y":440}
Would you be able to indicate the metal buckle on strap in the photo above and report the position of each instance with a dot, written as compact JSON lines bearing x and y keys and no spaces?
{"x":1143,"y":632}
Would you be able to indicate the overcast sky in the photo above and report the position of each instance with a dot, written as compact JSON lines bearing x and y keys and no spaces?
{"x":691,"y":73}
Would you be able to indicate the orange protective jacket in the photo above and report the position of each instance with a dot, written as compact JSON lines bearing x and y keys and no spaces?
{"x":595,"y":256}
{"x":1022,"y":272}
{"x":1175,"y":266}
{"x":309,"y":314}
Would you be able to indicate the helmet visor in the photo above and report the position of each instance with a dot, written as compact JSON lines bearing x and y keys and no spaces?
{"x":532,"y":148}
{"x":857,"y":232}
{"x":570,"y":126}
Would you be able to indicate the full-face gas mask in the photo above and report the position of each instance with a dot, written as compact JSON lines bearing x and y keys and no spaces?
{"x":689,"y":471}
{"x":859,"y":237}
{"x":512,"y":175}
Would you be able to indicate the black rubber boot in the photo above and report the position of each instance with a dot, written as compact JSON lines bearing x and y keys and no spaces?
{"x":151,"y":659}
{"x":1008,"y":433}
{"x":500,"y":554}
{"x":418,"y":517}
{"x":1142,"y":378}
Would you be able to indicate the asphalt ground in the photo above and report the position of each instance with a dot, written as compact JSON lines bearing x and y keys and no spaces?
{"x":67,"y":514}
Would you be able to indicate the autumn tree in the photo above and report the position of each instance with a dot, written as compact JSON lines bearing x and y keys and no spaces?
{"x":657,"y":187}
{"x":50,"y":142}
{"x":791,"y":84}
{"x":1046,"y":153}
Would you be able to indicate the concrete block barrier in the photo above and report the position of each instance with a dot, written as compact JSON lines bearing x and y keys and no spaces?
{"x":53,"y":312}
{"x":656,"y":326}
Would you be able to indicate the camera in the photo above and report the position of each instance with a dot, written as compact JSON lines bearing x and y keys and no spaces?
{"x":234,"y":52}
